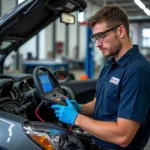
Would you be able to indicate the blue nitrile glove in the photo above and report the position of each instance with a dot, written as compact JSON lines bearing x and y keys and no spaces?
{"x":66,"y":114}
{"x":76,"y":105}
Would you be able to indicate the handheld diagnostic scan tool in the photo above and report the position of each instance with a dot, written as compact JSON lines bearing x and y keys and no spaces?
{"x":48,"y":87}
{"x":45,"y":83}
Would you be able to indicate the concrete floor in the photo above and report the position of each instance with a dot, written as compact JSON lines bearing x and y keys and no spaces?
{"x":78,"y":73}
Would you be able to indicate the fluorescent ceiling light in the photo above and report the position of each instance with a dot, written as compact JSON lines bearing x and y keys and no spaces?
{"x":20,"y":1}
{"x":140,"y":4}
{"x":147,"y":11}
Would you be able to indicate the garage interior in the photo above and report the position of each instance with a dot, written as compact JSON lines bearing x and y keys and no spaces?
{"x":66,"y":47}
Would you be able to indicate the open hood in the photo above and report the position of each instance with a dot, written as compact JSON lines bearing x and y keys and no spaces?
{"x":27,"y":19}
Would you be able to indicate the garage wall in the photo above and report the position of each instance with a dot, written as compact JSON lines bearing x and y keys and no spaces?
{"x":60,"y":35}
{"x":135,"y":36}
{"x":82,"y":48}
{"x":49,"y":38}
{"x":29,"y":47}
{"x":72,"y":38}
{"x":143,"y":25}
{"x":42,"y":44}
{"x":46,"y":36}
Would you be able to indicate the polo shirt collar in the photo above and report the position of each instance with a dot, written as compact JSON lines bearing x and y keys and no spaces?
{"x":126,"y":57}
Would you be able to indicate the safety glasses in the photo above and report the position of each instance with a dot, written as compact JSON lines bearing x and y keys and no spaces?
{"x":100,"y":35}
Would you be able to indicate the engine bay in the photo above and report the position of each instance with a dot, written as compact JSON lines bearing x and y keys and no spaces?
{"x":20,"y":94}
{"x":30,"y":97}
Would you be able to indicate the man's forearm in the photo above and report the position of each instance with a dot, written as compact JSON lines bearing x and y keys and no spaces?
{"x":98,"y":128}
{"x":88,"y":109}
{"x":121,"y":132}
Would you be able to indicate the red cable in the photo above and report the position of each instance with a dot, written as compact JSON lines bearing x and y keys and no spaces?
{"x":36,"y":113}
{"x":70,"y":129}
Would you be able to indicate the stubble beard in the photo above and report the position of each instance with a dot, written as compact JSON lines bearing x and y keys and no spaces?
{"x":114,"y":49}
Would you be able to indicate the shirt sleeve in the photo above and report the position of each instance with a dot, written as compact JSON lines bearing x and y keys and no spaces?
{"x":135,"y":95}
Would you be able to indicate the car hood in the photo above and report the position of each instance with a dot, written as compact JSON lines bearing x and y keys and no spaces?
{"x":28,"y":18}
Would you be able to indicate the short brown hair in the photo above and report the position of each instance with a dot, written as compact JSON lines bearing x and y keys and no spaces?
{"x":113,"y":15}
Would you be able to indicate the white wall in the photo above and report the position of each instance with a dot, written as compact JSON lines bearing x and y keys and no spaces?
{"x":42,"y":45}
{"x":29,"y":46}
{"x":135,"y":28}
{"x":83,"y":38}
{"x":73,"y":38}
{"x":60,"y":34}
{"x":49,"y":38}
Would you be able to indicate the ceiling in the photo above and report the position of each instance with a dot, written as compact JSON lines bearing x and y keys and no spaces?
{"x":128,"y":5}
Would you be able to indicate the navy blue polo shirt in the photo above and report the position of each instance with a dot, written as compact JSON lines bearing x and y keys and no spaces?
{"x":123,"y":91}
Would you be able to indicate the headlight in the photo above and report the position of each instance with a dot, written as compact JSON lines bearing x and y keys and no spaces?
{"x":50,"y":138}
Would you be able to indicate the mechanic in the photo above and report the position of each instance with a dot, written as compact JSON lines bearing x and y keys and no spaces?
{"x":118,"y":118}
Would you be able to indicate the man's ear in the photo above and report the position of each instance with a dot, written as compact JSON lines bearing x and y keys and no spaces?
{"x":121,"y":31}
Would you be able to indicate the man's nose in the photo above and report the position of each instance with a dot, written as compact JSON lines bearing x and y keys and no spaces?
{"x":98,"y":43}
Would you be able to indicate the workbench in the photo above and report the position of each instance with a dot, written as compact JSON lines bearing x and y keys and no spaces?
{"x":30,"y":65}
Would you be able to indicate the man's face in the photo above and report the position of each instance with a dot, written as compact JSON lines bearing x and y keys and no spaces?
{"x":109,"y":43}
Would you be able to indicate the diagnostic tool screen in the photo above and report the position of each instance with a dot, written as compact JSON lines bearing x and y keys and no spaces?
{"x":46,"y":83}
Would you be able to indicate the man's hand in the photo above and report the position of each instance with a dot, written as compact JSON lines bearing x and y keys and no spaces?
{"x":66,"y":114}
{"x":76,"y":105}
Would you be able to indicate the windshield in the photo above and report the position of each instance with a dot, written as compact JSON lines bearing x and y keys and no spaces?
{"x":5,"y":45}
{"x":7,"y":14}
